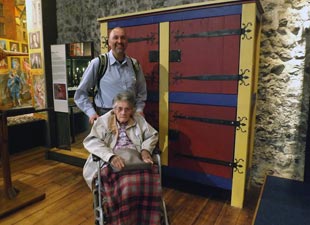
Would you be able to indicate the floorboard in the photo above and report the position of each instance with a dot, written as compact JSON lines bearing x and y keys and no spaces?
{"x":68,"y":200}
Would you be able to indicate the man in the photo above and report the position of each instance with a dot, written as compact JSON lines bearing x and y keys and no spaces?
{"x":119,"y":76}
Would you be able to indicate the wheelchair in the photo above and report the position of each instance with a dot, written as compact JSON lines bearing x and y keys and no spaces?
{"x":100,"y":211}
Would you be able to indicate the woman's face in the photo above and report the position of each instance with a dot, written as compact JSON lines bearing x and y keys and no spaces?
{"x":123,"y":111}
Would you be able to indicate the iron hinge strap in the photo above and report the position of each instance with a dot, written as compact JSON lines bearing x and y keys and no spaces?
{"x":215,"y":77}
{"x":243,"y":32}
{"x":235,"y":165}
{"x":208,"y":120}
{"x":238,"y":124}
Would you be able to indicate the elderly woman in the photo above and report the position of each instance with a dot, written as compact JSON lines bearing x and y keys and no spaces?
{"x":133,"y":196}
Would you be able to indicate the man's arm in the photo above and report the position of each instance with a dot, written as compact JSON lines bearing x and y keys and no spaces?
{"x":81,"y":96}
{"x":141,"y":91}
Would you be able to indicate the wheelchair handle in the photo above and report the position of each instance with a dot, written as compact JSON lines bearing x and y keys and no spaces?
{"x":156,"y":151}
{"x":95,"y":158}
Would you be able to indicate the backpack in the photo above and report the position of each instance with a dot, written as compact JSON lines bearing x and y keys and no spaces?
{"x":103,"y":64}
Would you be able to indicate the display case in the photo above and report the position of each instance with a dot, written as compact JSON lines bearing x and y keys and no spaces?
{"x":69,"y":61}
{"x":78,"y":56}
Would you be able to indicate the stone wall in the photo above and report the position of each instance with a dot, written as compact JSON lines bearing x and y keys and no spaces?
{"x":283,"y":92}
{"x":77,"y":19}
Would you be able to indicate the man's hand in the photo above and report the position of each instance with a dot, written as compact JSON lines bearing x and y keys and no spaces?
{"x":146,"y":156}
{"x":93,"y":118}
{"x":141,"y":113}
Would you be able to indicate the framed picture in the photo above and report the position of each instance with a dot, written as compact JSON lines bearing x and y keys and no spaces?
{"x":34,"y":40}
{"x":60,"y":91}
{"x":5,"y":100}
{"x":24,"y":48}
{"x":35,"y":61}
{"x":15,"y":63}
{"x":39,"y":91}
{"x":3,"y":44}
{"x":14,"y":46}
{"x":4,"y":63}
{"x":80,"y":49}
{"x":25,"y":65}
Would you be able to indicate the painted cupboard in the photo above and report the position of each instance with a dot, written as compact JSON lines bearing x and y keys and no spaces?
{"x":201,"y":66}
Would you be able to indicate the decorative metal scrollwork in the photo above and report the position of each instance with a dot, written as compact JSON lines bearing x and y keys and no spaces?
{"x":104,"y":41}
{"x":237,"y":166}
{"x":240,"y":124}
{"x":245,"y":31}
{"x":243,"y":77}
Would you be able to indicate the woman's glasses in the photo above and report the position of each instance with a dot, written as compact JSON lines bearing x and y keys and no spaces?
{"x":120,"y":109}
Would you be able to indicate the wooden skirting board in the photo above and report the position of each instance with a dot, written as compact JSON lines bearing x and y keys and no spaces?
{"x":74,"y":156}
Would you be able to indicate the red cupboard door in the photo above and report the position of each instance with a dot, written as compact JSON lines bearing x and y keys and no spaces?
{"x":191,"y":107}
{"x":204,"y":55}
{"x":144,"y":46}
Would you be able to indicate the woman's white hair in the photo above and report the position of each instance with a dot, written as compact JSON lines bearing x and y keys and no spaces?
{"x":126,"y":96}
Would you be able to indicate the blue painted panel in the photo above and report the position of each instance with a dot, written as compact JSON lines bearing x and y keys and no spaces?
{"x":200,"y":178}
{"x":203,"y":99}
{"x":177,"y":16}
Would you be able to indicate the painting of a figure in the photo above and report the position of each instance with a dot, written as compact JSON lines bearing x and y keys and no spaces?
{"x":3,"y":44}
{"x":14,"y":85}
{"x":39,"y":91}
{"x":14,"y":46}
{"x":15,"y":63}
{"x":3,"y":63}
{"x":4,"y":97}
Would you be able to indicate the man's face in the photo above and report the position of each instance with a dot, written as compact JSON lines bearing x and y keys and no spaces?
{"x":118,"y":41}
{"x":123,"y":111}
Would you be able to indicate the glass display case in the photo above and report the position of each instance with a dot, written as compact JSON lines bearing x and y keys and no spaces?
{"x":69,"y":61}
{"x":78,"y":57}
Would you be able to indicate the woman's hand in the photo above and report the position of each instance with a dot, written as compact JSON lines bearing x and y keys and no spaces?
{"x":117,"y":162}
{"x":146,"y":156}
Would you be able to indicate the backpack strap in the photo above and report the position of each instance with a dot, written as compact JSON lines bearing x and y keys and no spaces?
{"x":136,"y":65}
{"x":103,"y":64}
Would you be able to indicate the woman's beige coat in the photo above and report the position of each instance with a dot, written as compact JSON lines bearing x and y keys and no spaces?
{"x":103,"y":136}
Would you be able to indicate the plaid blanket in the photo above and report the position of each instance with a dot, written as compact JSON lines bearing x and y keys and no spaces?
{"x":133,"y":197}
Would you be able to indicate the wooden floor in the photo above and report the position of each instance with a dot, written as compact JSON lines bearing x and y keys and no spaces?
{"x":69,"y":201}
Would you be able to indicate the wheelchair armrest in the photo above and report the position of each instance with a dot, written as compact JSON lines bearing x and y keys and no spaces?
{"x":156,"y":151}
{"x":95,"y":158}
{"x":156,"y":156}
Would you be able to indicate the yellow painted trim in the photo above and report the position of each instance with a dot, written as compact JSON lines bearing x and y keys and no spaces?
{"x":164,"y":89}
{"x":247,"y":48}
{"x":255,"y":85}
{"x":186,"y":6}
{"x":104,"y":34}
